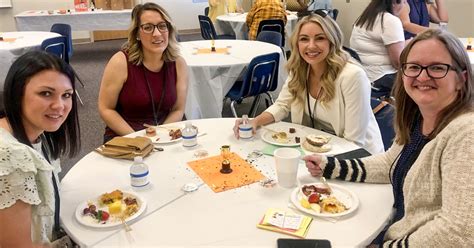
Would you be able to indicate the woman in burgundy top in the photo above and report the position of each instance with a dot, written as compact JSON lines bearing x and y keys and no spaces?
{"x":147,"y":81}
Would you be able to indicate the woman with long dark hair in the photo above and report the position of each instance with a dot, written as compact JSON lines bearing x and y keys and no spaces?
{"x":38,"y":126}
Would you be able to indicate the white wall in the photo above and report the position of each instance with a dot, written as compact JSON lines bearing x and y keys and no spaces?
{"x":184,"y":13}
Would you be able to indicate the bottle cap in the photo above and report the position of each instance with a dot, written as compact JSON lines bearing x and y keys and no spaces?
{"x":138,"y":159}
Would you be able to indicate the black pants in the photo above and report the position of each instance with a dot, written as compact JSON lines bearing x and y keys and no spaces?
{"x":383,"y":86}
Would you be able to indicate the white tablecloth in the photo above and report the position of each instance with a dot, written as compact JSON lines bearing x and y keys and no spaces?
{"x":234,"y":23}
{"x":10,"y":51}
{"x":79,"y":21}
{"x":212,"y":75}
{"x":204,"y":218}
{"x":469,"y":52}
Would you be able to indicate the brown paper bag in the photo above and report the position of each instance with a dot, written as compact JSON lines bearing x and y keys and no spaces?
{"x":126,"y":148}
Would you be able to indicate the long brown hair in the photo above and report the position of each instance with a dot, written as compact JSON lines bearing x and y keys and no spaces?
{"x":335,"y":60}
{"x":134,"y":46}
{"x":407,"y":110}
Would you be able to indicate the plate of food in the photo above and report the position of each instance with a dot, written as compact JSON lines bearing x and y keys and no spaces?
{"x":283,"y":136}
{"x":110,"y":209}
{"x":162,"y":134}
{"x":316,"y":199}
{"x":316,"y":143}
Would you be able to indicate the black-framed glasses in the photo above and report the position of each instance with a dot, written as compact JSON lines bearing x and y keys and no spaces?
{"x":148,"y":28}
{"x":435,"y":71}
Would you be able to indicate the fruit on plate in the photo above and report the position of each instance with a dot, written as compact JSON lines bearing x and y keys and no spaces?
{"x":115,"y":207}
{"x":313,"y":198}
{"x":315,"y":207}
{"x":305,"y":203}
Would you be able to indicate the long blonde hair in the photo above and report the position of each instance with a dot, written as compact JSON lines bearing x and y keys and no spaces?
{"x":407,"y":111}
{"x":336,"y":59}
{"x":134,"y":47}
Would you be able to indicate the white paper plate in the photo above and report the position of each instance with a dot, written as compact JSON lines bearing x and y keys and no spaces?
{"x":162,"y":135}
{"x":113,"y":221}
{"x":267,"y":135}
{"x":346,"y":196}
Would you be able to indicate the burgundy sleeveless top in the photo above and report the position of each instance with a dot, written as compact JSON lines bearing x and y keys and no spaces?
{"x":141,"y":91}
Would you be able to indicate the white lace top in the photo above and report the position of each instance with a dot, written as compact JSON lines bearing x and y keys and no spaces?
{"x":26,"y":175}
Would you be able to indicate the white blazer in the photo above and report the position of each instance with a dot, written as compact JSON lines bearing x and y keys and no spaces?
{"x":352,"y":118}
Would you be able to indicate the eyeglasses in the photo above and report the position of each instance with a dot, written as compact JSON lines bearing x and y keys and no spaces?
{"x":148,"y":28}
{"x":435,"y":71}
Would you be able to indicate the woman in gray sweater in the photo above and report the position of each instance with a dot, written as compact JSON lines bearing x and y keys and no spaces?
{"x":430,"y":162}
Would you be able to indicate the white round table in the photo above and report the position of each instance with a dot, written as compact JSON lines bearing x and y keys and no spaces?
{"x":234,"y":23}
{"x":211,"y":75}
{"x":204,"y":218}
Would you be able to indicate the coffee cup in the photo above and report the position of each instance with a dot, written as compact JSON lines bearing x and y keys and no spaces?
{"x":286,"y":165}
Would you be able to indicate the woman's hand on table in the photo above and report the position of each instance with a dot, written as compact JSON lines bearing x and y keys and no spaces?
{"x":313,"y":163}
{"x":239,"y":121}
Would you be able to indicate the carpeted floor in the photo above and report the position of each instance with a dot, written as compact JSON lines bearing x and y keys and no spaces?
{"x":89,"y":61}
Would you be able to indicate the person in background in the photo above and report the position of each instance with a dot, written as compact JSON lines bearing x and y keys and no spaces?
{"x":324,"y":90}
{"x":146,"y":82}
{"x":222,"y":7}
{"x":377,"y":37}
{"x":417,"y":15}
{"x":430,"y":162}
{"x":315,"y":4}
{"x":263,"y":10}
{"x":38,"y":125}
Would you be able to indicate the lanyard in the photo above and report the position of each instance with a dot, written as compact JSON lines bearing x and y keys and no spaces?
{"x":163,"y":89}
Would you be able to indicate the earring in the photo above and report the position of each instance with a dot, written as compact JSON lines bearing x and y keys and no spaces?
{"x":138,"y":38}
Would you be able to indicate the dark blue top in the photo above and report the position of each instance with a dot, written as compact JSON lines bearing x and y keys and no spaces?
{"x":408,"y":156}
{"x":418,"y":15}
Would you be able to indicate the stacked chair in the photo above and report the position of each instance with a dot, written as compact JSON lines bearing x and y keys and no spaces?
{"x":260,"y":78}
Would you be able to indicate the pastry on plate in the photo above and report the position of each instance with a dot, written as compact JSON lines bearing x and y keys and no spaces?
{"x":317,"y":143}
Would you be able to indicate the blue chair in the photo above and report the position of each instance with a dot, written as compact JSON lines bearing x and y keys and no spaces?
{"x":276,"y":25}
{"x":59,"y":47}
{"x":206,"y":11}
{"x":384,"y":114}
{"x":260,"y":78}
{"x":64,"y":30}
{"x":270,"y":37}
{"x":208,"y":32}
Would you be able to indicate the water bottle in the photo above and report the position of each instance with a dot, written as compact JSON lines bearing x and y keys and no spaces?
{"x":139,"y":173}
{"x":189,"y":135}
{"x":245,"y":128}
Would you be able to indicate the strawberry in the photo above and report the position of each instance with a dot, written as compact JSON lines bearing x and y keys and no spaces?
{"x":313,"y":198}
{"x":102,"y":215}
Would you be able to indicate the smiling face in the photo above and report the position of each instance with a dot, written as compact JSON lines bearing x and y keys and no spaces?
{"x":432,"y":94}
{"x":46,"y":102}
{"x":313,"y":45}
{"x":157,"y":41}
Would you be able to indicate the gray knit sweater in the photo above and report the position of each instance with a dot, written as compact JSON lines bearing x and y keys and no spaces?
{"x":438,"y":189}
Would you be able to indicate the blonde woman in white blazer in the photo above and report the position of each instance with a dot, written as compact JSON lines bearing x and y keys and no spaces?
{"x":324,"y":90}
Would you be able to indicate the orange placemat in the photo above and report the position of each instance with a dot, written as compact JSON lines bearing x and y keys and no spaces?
{"x":8,"y":39}
{"x":243,"y":173}
{"x":208,"y":50}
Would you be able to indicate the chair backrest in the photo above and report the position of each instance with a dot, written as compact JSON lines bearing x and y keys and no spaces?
{"x":208,"y":32}
{"x":335,"y":13}
{"x":353,"y":53}
{"x":57,"y":46}
{"x":276,"y":25}
{"x":261,"y":75}
{"x":206,"y":11}
{"x":384,"y":114}
{"x":270,"y":37}
{"x":64,"y":30}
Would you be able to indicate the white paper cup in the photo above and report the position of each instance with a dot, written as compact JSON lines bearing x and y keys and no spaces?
{"x":286,"y":164}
